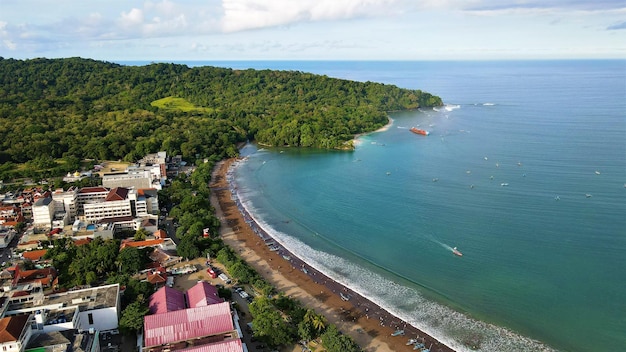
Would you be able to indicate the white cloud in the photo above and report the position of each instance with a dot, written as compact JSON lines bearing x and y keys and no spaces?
{"x":250,"y":14}
{"x":133,"y":18}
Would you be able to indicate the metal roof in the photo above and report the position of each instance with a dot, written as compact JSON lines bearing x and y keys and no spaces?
{"x":165,"y":300}
{"x":234,"y":345}
{"x":202,"y":294}
{"x":187,"y":324}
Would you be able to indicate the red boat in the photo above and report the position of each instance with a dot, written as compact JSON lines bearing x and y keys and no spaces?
{"x":456,"y":252}
{"x":419,"y":131}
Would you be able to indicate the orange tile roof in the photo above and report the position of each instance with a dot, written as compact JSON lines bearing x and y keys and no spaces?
{"x":11,"y":327}
{"x":34,"y":255}
{"x":82,"y":241}
{"x":146,"y":243}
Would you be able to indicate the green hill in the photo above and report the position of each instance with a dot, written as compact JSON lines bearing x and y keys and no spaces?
{"x":81,"y":108}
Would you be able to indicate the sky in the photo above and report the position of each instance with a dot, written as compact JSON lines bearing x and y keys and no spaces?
{"x":171,"y":30}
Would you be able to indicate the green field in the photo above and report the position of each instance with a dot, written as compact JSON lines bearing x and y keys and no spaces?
{"x":178,"y":104}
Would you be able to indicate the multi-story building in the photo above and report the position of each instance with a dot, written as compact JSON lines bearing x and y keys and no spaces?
{"x":15,"y":331}
{"x":117,"y":203}
{"x":134,"y":179}
{"x":43,"y":213}
{"x":90,"y":195}
{"x":66,"y":201}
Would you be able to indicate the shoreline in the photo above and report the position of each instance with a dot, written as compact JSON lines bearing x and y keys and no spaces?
{"x":367,"y":323}
{"x":355,"y":141}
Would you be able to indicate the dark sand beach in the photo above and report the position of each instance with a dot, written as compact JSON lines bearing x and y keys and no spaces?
{"x":368,"y":324}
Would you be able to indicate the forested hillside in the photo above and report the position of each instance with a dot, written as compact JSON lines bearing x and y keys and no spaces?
{"x":53,"y":109}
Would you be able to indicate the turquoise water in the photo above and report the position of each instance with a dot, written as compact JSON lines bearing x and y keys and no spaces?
{"x":524,"y":171}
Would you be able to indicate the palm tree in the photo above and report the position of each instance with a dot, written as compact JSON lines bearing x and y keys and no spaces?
{"x":318,"y":321}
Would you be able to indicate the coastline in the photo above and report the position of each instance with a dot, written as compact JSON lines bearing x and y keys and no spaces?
{"x":367,"y":323}
{"x":355,"y":141}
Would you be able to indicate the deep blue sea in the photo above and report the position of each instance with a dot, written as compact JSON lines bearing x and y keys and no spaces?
{"x":524,"y":171}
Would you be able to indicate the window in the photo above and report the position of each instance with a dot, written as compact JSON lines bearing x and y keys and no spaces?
{"x":90,"y":317}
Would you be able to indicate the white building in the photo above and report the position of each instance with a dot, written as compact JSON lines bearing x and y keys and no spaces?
{"x":43,"y":213}
{"x":133,"y":179}
{"x":95,"y":308}
{"x":66,"y":201}
{"x":90,"y":195}
{"x":116,"y":204}
{"x":15,"y":331}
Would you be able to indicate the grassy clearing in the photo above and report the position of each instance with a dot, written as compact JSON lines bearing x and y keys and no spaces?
{"x":179,"y":104}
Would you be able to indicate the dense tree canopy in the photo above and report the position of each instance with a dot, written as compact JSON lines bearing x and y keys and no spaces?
{"x":54,"y":112}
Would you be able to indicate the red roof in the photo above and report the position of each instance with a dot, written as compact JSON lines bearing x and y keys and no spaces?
{"x":165,"y":300}
{"x":117,"y":193}
{"x":233,"y":345}
{"x":93,"y":190}
{"x":160,"y":234}
{"x":34,"y":255}
{"x":146,"y":243}
{"x":156,"y":278}
{"x":82,"y":241}
{"x":187,"y":324}
{"x":11,"y":327}
{"x":202,"y":294}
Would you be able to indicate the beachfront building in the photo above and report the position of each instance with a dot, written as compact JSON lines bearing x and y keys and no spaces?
{"x":43,"y":213}
{"x":191,"y":328}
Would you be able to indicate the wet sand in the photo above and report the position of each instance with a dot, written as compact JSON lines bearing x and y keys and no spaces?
{"x":368,"y":324}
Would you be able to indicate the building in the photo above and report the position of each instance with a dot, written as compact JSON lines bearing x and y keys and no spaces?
{"x":115,"y":204}
{"x":43,"y":213}
{"x":135,"y":179}
{"x":15,"y":331}
{"x":190,"y":327}
{"x":202,"y":294}
{"x":66,"y":201}
{"x":90,"y":309}
{"x":6,"y":236}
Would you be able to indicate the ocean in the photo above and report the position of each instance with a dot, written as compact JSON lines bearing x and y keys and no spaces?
{"x":524,"y":171}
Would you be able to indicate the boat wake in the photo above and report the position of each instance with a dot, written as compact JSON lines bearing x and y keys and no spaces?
{"x":452,"y":107}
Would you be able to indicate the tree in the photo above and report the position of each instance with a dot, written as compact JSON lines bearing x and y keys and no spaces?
{"x":131,"y":320}
{"x":130,"y":260}
{"x":268,"y":323}
{"x":335,"y":341}
{"x":141,"y":234}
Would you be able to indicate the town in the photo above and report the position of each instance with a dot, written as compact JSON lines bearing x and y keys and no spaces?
{"x":39,"y":312}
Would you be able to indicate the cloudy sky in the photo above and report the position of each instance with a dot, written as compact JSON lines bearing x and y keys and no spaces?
{"x":116,"y":30}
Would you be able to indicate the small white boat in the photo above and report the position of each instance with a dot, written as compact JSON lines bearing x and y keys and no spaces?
{"x":504,"y":184}
{"x":411,"y":341}
{"x":597,"y":172}
{"x":588,"y":195}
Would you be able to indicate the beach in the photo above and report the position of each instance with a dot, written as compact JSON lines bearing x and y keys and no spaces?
{"x":369,"y":325}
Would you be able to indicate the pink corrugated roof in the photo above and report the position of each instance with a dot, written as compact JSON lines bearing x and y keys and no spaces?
{"x":165,"y":300}
{"x":222,"y":346}
{"x":187,"y":324}
{"x":202,"y":294}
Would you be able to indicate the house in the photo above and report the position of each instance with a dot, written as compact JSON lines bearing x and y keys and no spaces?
{"x":166,"y":299}
{"x":44,"y":276}
{"x":202,"y":294}
{"x":34,"y":256}
{"x":15,"y":331}
{"x":162,"y":243}
{"x":190,"y":327}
